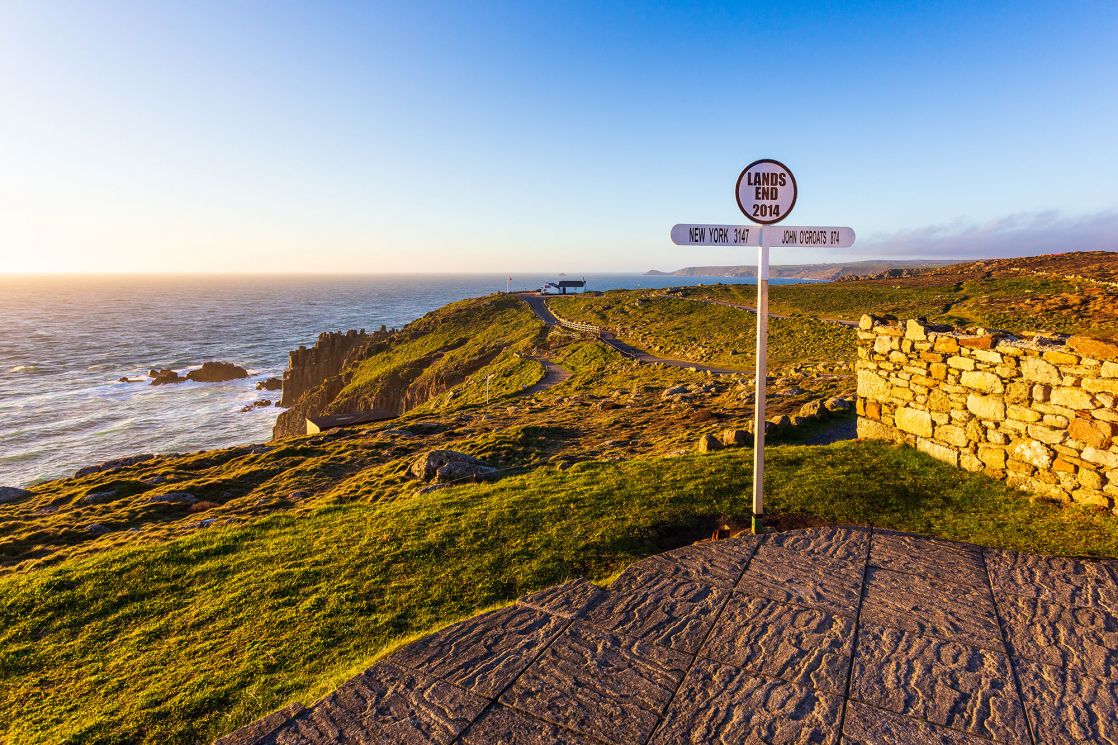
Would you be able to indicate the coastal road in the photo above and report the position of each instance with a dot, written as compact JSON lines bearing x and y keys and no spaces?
{"x":538,"y":304}
{"x":553,"y":376}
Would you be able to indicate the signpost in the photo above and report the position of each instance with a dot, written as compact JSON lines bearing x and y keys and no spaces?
{"x":766,"y":194}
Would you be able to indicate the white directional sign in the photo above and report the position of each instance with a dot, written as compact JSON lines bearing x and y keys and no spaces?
{"x":766,"y":194}
{"x":766,"y":191}
{"x":773,"y":236}
{"x":776,"y":236}
{"x":716,"y":235}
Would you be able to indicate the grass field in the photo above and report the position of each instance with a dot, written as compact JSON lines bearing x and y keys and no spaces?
{"x":187,"y":639}
{"x":687,"y":329}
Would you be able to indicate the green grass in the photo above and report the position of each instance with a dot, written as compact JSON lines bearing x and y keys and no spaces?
{"x":186,"y":639}
{"x":687,"y":329}
{"x":446,"y":347}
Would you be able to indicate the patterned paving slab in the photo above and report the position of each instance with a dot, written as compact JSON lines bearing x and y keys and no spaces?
{"x":848,"y":636}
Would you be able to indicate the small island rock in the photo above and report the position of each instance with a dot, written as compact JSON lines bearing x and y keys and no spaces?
{"x":270,"y":384}
{"x":217,"y":372}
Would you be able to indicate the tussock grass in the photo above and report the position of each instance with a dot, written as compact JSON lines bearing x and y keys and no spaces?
{"x":186,"y":639}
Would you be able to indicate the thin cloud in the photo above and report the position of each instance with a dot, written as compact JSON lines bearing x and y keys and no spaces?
{"x":1021,"y":234}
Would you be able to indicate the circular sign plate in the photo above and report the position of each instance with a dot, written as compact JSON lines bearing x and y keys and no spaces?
{"x":766,"y":191}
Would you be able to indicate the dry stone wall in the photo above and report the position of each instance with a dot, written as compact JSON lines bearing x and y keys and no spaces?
{"x":1040,"y":413}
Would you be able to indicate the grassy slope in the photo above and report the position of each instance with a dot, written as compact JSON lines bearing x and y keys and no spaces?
{"x":705,"y":332}
{"x":184,"y":640}
{"x":450,"y":344}
{"x":1018,"y":295}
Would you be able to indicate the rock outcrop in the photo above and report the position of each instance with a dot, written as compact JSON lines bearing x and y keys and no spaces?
{"x":217,"y":372}
{"x":270,"y":384}
{"x":166,"y":376}
{"x":307,"y":369}
{"x":12,"y":494}
{"x":445,"y":466}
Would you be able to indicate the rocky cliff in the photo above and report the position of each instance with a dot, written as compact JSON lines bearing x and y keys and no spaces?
{"x":309,"y":368}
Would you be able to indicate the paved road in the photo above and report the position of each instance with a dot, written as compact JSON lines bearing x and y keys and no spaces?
{"x":553,"y":376}
{"x":538,"y":305}
{"x":874,"y":637}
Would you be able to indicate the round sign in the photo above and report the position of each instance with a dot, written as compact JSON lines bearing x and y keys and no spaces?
{"x":766,"y":191}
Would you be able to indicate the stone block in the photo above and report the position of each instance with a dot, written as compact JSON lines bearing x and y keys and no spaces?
{"x":1021,"y":413}
{"x":1017,"y":393}
{"x":1061,"y":358}
{"x":866,"y":322}
{"x":988,"y":356}
{"x":655,"y":607}
{"x":1100,"y":385}
{"x":992,"y":456}
{"x":1094,"y":434}
{"x":1039,"y":371}
{"x":1104,"y":458}
{"x":619,"y":707}
{"x":1064,"y":466}
{"x":1072,"y":398}
{"x":885,"y":344}
{"x":985,"y":341}
{"x":985,"y":382}
{"x":946,"y":344}
{"x":986,"y":407}
{"x":1110,"y":369}
{"x":914,"y":421}
{"x":952,"y":435}
{"x":933,"y":607}
{"x":938,"y":451}
{"x":802,"y":645}
{"x":960,"y":363}
{"x":1096,"y":348}
{"x":915,"y":331}
{"x":721,"y":703}
{"x":873,"y":385}
{"x":1033,"y":452}
{"x":1046,"y":435}
{"x":938,"y":370}
{"x":946,"y":683}
{"x":1091,"y":497}
{"x":971,"y":462}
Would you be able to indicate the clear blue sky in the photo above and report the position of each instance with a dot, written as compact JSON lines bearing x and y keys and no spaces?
{"x":544,"y":136}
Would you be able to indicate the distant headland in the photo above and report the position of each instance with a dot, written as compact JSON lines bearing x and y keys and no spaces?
{"x":809,"y":271}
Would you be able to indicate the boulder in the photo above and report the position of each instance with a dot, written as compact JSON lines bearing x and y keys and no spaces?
{"x":443,"y":466}
{"x":811,"y":410}
{"x":12,"y":494}
{"x":259,"y":403}
{"x":98,"y":497}
{"x":837,"y":404}
{"x":217,"y":372}
{"x":735,"y":437}
{"x":165,"y":376}
{"x":175,"y":497}
{"x":96,"y":529}
{"x":113,"y":465}
{"x":709,"y":443}
{"x":270,"y":384}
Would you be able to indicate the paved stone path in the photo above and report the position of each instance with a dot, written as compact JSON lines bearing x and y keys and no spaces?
{"x":834,"y":635}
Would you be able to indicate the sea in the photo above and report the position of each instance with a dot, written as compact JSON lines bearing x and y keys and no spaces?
{"x":66,"y":341}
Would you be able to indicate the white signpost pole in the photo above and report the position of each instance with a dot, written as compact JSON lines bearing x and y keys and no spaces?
{"x":760,"y":386}
{"x":766,"y":192}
